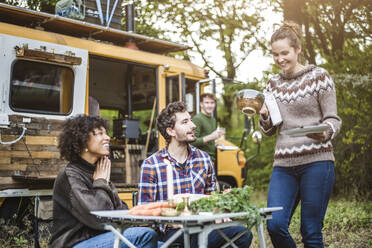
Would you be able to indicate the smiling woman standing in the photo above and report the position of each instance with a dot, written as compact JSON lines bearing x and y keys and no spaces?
{"x":84,"y":185}
{"x":304,"y":165}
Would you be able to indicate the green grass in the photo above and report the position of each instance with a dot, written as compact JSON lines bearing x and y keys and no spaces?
{"x":348,"y":224}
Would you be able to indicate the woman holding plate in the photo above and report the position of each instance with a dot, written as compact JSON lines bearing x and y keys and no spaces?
{"x":303,"y":164}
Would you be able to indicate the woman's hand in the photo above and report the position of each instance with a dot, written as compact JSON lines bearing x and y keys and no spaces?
{"x":103,"y":169}
{"x":317,"y":136}
{"x":264,"y":111}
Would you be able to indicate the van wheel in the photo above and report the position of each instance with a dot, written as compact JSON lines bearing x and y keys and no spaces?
{"x":224,"y":185}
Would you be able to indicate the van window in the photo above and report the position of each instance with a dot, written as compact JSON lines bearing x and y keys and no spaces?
{"x":191,"y":93}
{"x":172,"y":89}
{"x":41,"y":87}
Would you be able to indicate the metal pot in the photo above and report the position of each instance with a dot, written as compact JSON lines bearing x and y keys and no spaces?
{"x":250,"y":101}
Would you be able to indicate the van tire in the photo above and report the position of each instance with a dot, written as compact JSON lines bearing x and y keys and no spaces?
{"x":225,"y":182}
{"x":224,"y":185}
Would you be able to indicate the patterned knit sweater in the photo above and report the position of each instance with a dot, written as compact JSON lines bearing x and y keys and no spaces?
{"x":305,"y":98}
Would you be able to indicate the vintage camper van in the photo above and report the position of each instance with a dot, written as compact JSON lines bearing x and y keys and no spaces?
{"x":54,"y":67}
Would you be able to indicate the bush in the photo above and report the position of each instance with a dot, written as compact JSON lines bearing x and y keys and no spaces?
{"x":353,"y":145}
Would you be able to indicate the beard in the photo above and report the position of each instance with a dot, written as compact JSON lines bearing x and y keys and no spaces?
{"x":186,"y":139}
{"x":189,"y":141}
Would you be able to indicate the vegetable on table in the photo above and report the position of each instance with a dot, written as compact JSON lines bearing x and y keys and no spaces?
{"x":149,"y":209}
{"x":146,"y":212}
{"x":236,"y":200}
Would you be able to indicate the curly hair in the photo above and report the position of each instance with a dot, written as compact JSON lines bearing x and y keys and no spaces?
{"x":167,"y":118}
{"x":75,"y":135}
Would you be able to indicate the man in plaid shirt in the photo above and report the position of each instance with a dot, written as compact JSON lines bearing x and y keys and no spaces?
{"x":193,"y":171}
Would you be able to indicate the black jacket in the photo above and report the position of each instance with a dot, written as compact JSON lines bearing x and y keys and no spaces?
{"x":75,"y":194}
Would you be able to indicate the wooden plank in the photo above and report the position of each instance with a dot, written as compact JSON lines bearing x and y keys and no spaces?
{"x":24,"y":154}
{"x":10,"y":183}
{"x":117,"y":164}
{"x":47,"y":132}
{"x":4,"y":160}
{"x":27,"y":160}
{"x":36,"y":148}
{"x":42,"y":140}
{"x":5,"y":148}
{"x":51,"y":167}
{"x":117,"y":170}
{"x":47,"y":56}
{"x":33,"y":140}
{"x":6,"y":173}
{"x":42,"y":164}
{"x":12,"y":167}
{"x":8,"y":138}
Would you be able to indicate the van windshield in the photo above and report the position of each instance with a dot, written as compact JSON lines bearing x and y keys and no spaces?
{"x":41,"y":88}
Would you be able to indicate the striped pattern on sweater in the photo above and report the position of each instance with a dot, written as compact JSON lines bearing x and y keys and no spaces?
{"x":311,"y":84}
{"x":305,"y":98}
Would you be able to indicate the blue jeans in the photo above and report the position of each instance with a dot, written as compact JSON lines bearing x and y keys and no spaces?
{"x":215,"y":240}
{"x":312,"y":185}
{"x":139,"y":236}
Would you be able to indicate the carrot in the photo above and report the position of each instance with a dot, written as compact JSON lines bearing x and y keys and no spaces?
{"x":156,"y":212}
{"x":146,"y":212}
{"x":152,"y":205}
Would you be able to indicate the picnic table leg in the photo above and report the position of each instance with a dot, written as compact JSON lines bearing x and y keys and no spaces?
{"x":117,"y":239}
{"x":186,"y":238}
{"x":203,"y":239}
{"x":260,"y":232}
{"x":172,"y":238}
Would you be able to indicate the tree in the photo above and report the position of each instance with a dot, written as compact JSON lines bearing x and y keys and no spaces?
{"x":229,"y":28}
{"x":40,"y":5}
{"x":354,"y":143}
{"x":336,"y":30}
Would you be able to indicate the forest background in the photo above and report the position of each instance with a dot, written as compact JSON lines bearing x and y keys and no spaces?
{"x":337,"y":35}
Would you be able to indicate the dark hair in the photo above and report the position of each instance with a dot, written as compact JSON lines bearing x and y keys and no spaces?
{"x":290,"y":30}
{"x":167,"y":118}
{"x":207,"y":95}
{"x":75,"y":135}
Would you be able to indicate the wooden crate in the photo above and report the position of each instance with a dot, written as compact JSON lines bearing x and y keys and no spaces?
{"x":127,"y":170}
{"x":34,"y":161}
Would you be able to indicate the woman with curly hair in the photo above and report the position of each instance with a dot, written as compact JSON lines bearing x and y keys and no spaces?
{"x":84,"y":185}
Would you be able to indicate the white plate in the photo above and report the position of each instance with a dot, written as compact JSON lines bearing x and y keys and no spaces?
{"x":302,"y":131}
{"x":205,"y":213}
{"x":192,"y":197}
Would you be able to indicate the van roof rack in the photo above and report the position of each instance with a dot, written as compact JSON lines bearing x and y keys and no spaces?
{"x":62,"y":25}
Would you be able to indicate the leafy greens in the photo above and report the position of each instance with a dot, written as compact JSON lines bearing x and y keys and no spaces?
{"x":236,"y":200}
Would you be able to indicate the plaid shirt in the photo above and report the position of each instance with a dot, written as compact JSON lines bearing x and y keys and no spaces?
{"x":197,"y":176}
